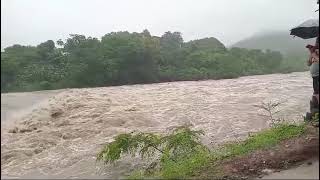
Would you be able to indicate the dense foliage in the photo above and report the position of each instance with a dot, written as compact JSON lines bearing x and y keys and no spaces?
{"x":128,"y":58}
{"x":181,"y":144}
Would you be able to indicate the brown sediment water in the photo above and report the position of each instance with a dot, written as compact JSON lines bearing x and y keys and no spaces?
{"x":61,"y":131}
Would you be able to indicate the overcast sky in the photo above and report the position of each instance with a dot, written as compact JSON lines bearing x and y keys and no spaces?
{"x":29,"y":22}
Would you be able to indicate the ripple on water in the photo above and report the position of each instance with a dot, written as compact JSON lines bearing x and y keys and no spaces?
{"x":77,"y":122}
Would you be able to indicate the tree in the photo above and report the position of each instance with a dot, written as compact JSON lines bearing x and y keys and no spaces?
{"x":171,"y":48}
{"x":146,"y":33}
{"x":129,"y":58}
{"x":45,"y":49}
{"x":171,"y":41}
{"x":60,"y":42}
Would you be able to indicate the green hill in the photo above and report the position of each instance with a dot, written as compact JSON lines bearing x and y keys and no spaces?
{"x":293,"y":48}
{"x":279,"y":41}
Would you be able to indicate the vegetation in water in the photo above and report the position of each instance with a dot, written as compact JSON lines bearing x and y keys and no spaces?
{"x":179,"y":144}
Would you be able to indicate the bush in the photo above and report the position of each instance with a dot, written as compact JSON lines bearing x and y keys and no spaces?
{"x":182,"y":145}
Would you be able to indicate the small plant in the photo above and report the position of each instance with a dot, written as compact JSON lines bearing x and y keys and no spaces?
{"x":315,"y":118}
{"x":181,"y":143}
{"x":271,"y":108}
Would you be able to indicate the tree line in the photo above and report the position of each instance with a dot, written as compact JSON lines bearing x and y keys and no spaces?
{"x":120,"y":58}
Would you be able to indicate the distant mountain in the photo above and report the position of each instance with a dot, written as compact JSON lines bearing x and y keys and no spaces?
{"x":279,"y":41}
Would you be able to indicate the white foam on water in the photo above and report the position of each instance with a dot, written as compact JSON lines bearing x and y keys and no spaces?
{"x":70,"y":128}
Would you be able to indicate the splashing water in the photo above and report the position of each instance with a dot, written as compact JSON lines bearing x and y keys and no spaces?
{"x":59,"y":137}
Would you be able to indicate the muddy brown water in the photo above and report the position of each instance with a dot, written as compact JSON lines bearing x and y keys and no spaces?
{"x":68,"y":127}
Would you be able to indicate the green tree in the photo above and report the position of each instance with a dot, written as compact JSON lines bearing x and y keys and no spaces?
{"x":128,"y":58}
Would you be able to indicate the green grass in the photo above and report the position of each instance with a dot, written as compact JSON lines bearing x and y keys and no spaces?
{"x":187,"y":167}
{"x":265,"y":139}
{"x":184,"y":168}
{"x":137,"y":175}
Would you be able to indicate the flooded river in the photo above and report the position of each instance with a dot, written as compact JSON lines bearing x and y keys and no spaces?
{"x":63,"y":130}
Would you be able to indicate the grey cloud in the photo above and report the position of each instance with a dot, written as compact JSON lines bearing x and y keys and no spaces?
{"x":30,"y":22}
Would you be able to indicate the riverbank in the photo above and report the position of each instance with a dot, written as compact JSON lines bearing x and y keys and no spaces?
{"x":273,"y":150}
{"x":284,"y":155}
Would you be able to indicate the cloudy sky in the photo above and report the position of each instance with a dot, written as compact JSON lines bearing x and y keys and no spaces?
{"x":30,"y":22}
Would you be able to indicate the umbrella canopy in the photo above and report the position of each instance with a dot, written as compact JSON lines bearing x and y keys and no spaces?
{"x":308,"y":29}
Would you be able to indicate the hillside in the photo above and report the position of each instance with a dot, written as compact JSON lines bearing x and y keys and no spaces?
{"x":278,"y":41}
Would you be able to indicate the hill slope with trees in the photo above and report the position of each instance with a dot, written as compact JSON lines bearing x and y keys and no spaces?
{"x":120,"y":58}
{"x":277,"y":41}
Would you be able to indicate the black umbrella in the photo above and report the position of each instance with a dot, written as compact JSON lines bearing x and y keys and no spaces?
{"x":308,"y":29}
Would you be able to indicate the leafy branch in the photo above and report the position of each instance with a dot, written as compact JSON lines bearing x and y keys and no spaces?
{"x":271,"y":109}
{"x":180,"y":143}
